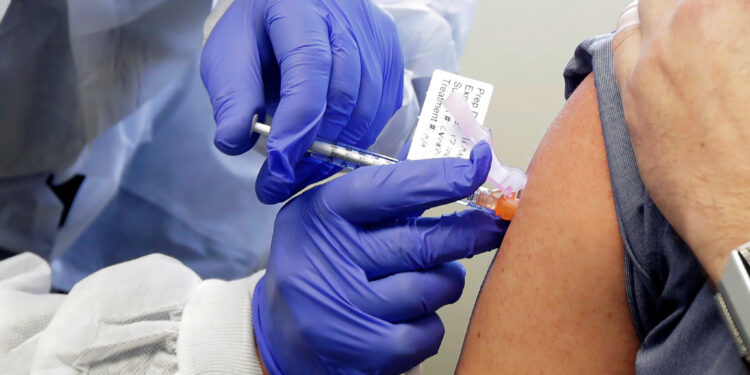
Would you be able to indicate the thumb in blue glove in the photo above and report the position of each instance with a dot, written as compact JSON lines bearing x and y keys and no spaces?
{"x":320,"y":67}
{"x":354,"y":278}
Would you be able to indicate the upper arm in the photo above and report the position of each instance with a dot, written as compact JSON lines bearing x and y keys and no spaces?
{"x":554,"y":299}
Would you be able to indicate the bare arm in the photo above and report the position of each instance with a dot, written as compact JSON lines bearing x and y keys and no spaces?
{"x":554,"y":300}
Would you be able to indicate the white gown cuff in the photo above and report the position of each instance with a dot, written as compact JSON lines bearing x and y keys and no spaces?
{"x":216,"y":335}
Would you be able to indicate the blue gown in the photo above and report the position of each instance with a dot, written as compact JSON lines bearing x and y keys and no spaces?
{"x":111,"y":91}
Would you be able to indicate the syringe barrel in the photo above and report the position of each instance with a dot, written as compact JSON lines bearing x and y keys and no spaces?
{"x":500,"y":204}
{"x":346,"y":156}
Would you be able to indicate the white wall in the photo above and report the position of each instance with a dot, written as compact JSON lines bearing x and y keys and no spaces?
{"x":521,"y":47}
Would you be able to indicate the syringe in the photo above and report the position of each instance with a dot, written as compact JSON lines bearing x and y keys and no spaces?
{"x":346,"y":157}
{"x":350,"y":158}
{"x":503,"y":205}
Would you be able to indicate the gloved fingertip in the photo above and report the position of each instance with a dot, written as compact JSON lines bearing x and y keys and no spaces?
{"x":272,"y":188}
{"x":481,"y":161}
{"x":457,"y":272}
{"x":268,"y":196}
{"x":481,"y":155}
{"x":492,"y":234}
{"x":501,"y":223}
{"x":234,"y":140}
{"x":486,"y":230}
{"x":431,"y":333}
{"x":229,"y":148}
{"x":457,"y":267}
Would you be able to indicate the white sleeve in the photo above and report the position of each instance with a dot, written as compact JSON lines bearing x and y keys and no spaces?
{"x":26,"y":307}
{"x":217,"y":329}
{"x":149,"y":315}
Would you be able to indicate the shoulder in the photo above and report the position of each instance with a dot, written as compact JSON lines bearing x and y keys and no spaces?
{"x":555,"y":298}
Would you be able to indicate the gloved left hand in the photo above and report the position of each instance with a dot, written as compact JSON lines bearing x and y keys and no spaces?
{"x":320,"y":67}
{"x":355,"y":277}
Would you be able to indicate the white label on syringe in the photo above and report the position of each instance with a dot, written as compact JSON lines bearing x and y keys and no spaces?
{"x":437,"y":135}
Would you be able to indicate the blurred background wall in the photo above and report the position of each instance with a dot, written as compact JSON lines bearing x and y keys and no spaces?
{"x":521,"y":47}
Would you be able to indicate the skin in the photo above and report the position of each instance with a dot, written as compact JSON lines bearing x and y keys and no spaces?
{"x":682,"y":70}
{"x":260,"y":360}
{"x":554,"y":299}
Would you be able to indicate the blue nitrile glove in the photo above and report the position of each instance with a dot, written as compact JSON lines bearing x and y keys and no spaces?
{"x":354,"y":278}
{"x":320,"y":67}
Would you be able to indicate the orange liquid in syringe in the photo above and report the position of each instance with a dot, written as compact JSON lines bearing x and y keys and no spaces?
{"x":504,"y":205}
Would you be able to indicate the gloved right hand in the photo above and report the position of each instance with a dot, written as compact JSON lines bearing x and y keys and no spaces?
{"x":326,"y":68}
{"x":355,"y":277}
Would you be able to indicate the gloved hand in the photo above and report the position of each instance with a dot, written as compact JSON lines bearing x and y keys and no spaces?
{"x":355,"y":277}
{"x":320,"y":67}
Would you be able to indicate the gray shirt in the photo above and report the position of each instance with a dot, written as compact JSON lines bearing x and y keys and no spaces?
{"x":671,"y":304}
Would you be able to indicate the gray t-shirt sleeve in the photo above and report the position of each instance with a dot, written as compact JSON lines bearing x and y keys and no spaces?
{"x":671,"y":304}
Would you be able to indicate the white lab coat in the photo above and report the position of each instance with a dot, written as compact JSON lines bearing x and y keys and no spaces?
{"x":151,"y":315}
